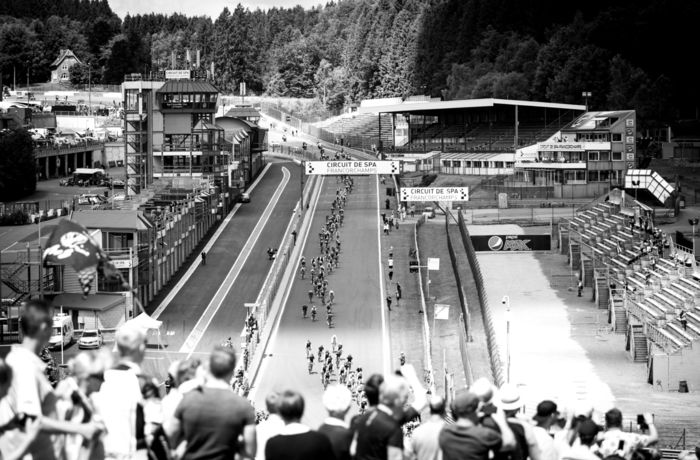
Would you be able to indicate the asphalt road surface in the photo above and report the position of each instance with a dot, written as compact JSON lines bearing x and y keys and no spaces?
{"x":357,"y":311}
{"x":184,"y":311}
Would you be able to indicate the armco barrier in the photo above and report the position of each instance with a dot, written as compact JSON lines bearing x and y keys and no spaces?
{"x":494,"y":354}
{"x":463,"y":333}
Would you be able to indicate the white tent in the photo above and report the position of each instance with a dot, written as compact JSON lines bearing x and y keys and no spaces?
{"x":143,"y":321}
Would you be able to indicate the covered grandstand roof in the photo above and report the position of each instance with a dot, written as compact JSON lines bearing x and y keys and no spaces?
{"x":394,"y":106}
{"x":598,"y":120}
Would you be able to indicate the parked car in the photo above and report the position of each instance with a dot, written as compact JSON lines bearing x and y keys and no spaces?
{"x":245,"y":197}
{"x":118,"y":183}
{"x":66,"y":182}
{"x":91,"y":338}
{"x":429,"y":212}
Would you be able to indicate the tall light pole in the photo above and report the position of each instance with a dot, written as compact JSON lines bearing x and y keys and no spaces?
{"x":506,"y":302}
{"x":586,"y":95}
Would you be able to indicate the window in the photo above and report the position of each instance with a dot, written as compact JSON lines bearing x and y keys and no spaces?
{"x":477,"y":164}
{"x":617,"y":137}
{"x":604,"y":176}
{"x":499,"y":164}
{"x":593,"y":156}
{"x":604,"y":156}
{"x":111,"y":284}
{"x":64,"y":67}
{"x":617,"y":156}
{"x":456,"y":163}
{"x":510,"y":164}
{"x":467,"y":164}
{"x":593,"y":176}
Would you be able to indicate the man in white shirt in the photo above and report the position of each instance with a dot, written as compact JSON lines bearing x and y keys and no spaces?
{"x":617,"y":442}
{"x":547,"y":415}
{"x":270,"y":427}
{"x":424,"y":443}
{"x":31,"y":396}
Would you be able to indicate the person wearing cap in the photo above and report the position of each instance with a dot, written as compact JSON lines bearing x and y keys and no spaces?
{"x":424,"y":440}
{"x":617,"y":442}
{"x":466,"y":439}
{"x":546,"y":417}
{"x":510,"y":402}
{"x":586,"y":431}
{"x":337,"y":399}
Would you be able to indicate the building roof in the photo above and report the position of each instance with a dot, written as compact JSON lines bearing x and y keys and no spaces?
{"x":65,"y":53}
{"x":594,"y":120}
{"x":187,"y":86}
{"x":419,"y":106}
{"x":242,"y":112}
{"x":96,"y":302}
{"x":118,"y":219}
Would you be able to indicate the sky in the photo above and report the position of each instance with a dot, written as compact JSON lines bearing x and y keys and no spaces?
{"x":199,"y":7}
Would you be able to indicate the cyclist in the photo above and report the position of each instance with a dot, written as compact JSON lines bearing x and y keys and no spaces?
{"x":331,"y":296}
{"x":308,"y":347}
{"x":311,"y":295}
{"x":302,"y":271}
{"x":320,"y":353}
{"x":228,"y":343}
{"x":304,"y":310}
{"x":311,"y":363}
{"x":313,"y":312}
{"x":329,"y":320}
{"x":334,"y":342}
{"x":402,"y":358}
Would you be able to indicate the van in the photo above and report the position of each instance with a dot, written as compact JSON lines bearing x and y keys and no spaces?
{"x":61,"y":332}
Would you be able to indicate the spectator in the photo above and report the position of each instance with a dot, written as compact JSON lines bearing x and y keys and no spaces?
{"x":127,"y":398}
{"x":617,"y":442}
{"x":296,"y":441}
{"x":86,"y":373}
{"x":526,"y":443}
{"x":31,"y":427}
{"x":378,"y":434}
{"x":424,"y":441}
{"x":587,"y":430}
{"x":374,"y":382}
{"x":30,"y":395}
{"x":270,"y":427}
{"x":546,"y":417}
{"x":466,"y":438}
{"x":212,"y":417}
{"x":184,"y":378}
{"x":336,"y":400}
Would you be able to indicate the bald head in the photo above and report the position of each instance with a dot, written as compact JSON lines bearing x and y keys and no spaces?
{"x":131,"y":343}
{"x":393,"y":392}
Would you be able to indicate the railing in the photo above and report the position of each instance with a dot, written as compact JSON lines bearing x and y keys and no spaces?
{"x":494,"y":353}
{"x":62,"y":149}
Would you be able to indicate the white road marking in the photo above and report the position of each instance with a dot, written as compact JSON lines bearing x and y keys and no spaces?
{"x":293,"y":264}
{"x":203,"y":323}
{"x":386,"y":351}
{"x":190,"y":271}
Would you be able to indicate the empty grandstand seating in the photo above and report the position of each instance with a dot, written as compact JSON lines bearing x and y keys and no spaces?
{"x":363,"y":124}
{"x":644,"y":291}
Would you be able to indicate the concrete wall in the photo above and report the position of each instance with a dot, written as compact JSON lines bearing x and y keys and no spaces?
{"x":671,"y":369}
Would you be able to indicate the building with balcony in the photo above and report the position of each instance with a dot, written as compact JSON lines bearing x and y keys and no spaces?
{"x":587,"y":157}
{"x":170,"y":131}
{"x":249,"y":141}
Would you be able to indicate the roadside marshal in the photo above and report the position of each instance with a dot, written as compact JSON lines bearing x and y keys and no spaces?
{"x":331,"y":168}
{"x":434,"y":193}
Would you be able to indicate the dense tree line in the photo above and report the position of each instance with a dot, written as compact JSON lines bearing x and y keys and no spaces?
{"x":628,"y":54}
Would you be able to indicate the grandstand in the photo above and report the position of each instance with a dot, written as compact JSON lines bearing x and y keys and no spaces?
{"x":644,"y":293}
{"x":474,"y":125}
{"x":363,"y":124}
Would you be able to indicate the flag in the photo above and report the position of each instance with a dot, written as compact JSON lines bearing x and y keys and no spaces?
{"x":71,"y":244}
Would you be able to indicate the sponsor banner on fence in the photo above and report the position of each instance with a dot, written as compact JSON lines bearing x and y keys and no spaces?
{"x":434,"y":193}
{"x":512,"y":242}
{"x":351,"y":167}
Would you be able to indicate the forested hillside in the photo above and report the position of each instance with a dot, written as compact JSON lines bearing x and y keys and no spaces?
{"x":629,"y":54}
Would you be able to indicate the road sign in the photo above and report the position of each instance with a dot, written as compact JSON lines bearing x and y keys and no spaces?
{"x":433,"y":263}
{"x":434,"y":193}
{"x":442,"y":311}
{"x":331,"y":168}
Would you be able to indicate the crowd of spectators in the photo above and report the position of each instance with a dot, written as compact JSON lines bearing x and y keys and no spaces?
{"x":109,"y":408}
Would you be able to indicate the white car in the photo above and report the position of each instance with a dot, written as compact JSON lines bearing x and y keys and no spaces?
{"x":245,"y":197}
{"x":91,"y":338}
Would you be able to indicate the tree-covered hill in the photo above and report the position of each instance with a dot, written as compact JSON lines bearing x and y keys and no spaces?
{"x":629,"y":54}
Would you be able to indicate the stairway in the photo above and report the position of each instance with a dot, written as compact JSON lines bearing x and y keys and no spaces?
{"x":641,"y":352}
{"x":603,"y":291}
{"x":620,"y":319}
{"x":587,"y":267}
